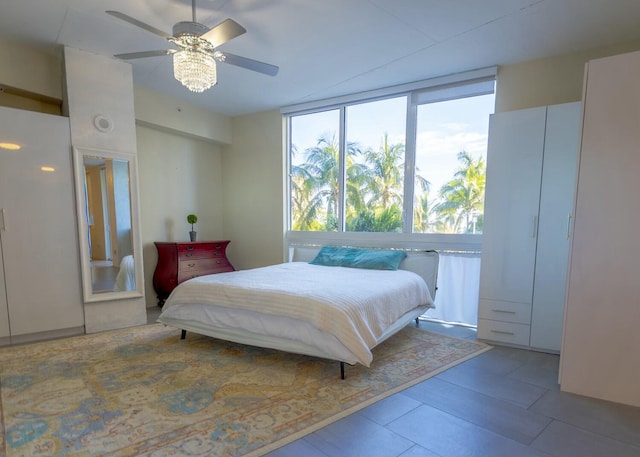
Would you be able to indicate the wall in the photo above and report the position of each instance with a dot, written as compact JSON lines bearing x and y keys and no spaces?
{"x":102,"y":86}
{"x":548,"y":81}
{"x":33,"y":81}
{"x":253,"y":190}
{"x":252,"y":213}
{"x":253,"y":173}
{"x":177,"y":176}
{"x":31,"y":70}
{"x":173,"y":116}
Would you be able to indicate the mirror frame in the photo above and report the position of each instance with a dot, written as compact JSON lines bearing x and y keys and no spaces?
{"x":83,"y":225}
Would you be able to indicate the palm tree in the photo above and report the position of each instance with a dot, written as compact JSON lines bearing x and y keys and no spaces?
{"x":386,"y":165}
{"x":375,"y":189}
{"x":463,"y":196}
{"x":377,"y":220}
{"x":315,"y":188}
{"x":424,"y":208}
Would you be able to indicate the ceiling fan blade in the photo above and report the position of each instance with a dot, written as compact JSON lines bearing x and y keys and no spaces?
{"x":223,"y":32}
{"x":137,"y":23}
{"x":139,"y":55}
{"x":250,"y":64}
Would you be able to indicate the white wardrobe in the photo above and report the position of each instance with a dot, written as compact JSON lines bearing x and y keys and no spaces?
{"x":531,"y":170}
{"x":601,"y":346}
{"x":40,"y":291}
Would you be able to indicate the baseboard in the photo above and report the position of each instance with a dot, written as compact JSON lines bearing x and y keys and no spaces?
{"x":48,"y":335}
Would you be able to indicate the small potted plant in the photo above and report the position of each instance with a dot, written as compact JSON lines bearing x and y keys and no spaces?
{"x":192,"y":219}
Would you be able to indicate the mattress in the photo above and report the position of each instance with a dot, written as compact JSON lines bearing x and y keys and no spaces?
{"x":342,"y":312}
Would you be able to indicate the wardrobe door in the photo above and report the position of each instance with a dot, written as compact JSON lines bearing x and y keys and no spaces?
{"x":600,"y":356}
{"x":4,"y":311}
{"x":39,"y":238}
{"x":556,"y":214}
{"x":514,"y":169}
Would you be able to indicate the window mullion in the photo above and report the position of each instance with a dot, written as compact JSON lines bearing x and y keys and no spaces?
{"x":342,"y":154}
{"x":409,"y":165}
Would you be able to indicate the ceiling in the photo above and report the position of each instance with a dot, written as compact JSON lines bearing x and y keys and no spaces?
{"x":327,"y":48}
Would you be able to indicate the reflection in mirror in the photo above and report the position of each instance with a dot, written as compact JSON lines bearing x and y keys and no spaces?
{"x":106,"y":187}
{"x":109,"y":219}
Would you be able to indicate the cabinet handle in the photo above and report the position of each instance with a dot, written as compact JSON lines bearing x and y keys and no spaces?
{"x":502,"y":332}
{"x":569,"y":218}
{"x":534,"y":229}
{"x":503,"y":311}
{"x":190,"y":248}
{"x":192,"y":264}
{"x":4,"y":222}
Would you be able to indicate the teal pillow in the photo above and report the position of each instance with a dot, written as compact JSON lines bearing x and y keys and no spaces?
{"x":373,"y":259}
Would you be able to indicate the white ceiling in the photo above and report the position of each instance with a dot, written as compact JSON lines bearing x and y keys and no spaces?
{"x":327,"y":48}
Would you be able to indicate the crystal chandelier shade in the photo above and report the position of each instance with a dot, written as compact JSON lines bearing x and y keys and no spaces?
{"x":195,"y":69}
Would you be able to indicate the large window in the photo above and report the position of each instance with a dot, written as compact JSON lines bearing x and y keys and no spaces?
{"x":451,"y":153}
{"x":411,"y":162}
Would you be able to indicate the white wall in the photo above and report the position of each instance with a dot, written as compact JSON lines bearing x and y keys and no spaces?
{"x":98,"y":85}
{"x":161,"y":112}
{"x":253,"y":172}
{"x":253,"y":190}
{"x":177,"y":176}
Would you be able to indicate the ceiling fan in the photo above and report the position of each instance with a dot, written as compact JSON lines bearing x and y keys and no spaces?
{"x":196,"y":52}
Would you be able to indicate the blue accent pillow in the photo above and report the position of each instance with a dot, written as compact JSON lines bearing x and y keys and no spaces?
{"x":373,"y":259}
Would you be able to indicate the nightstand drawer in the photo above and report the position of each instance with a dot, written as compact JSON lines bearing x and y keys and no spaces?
{"x":504,"y":332}
{"x":198,"y":265}
{"x":201,"y":250}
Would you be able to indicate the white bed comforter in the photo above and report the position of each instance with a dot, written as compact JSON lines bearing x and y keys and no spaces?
{"x":354,"y":305}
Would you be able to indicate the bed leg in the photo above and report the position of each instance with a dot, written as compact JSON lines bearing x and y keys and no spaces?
{"x":341,"y":370}
{"x":417,"y":322}
{"x":183,"y":335}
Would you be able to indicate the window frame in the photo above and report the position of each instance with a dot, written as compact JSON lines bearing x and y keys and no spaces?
{"x":461,"y":85}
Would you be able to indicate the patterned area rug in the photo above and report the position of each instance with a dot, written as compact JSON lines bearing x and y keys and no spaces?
{"x":144,"y":392}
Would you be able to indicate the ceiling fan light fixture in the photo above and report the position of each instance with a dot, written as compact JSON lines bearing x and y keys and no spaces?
{"x":196,"y":70}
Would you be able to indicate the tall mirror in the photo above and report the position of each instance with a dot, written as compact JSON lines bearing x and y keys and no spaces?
{"x":106,"y":190}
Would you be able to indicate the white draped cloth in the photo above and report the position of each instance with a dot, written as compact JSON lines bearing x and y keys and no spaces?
{"x":458,"y":288}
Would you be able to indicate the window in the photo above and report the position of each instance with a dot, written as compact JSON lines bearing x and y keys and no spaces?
{"x":314,"y":171}
{"x":375,"y":157}
{"x":451,"y":153}
{"x":411,"y":161}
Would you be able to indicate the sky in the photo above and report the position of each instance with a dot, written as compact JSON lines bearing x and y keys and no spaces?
{"x":444,"y":129}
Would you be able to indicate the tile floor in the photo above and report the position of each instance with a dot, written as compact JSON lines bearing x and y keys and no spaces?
{"x":505,"y":402}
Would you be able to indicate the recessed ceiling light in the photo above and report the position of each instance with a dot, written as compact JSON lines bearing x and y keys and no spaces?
{"x":45,"y":168}
{"x":10,"y":146}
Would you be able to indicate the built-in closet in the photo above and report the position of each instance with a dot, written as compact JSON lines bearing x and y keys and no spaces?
{"x":531,"y":169}
{"x":40,"y":289}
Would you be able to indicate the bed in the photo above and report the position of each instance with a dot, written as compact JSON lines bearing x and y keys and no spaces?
{"x":126,"y":278}
{"x":307,"y":306}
